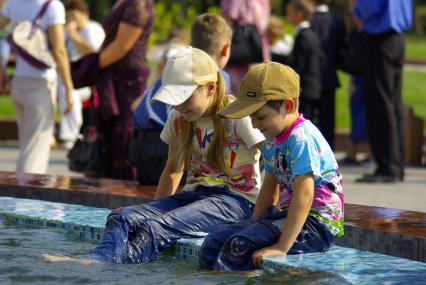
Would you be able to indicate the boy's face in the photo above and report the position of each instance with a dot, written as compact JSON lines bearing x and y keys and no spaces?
{"x":198,"y":104}
{"x":270,"y":122}
{"x":294,"y":16}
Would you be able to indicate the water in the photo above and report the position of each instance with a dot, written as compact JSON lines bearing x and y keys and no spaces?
{"x":22,"y":262}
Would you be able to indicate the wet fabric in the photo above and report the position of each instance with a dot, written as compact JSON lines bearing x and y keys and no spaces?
{"x":230,"y":247}
{"x":138,"y":234}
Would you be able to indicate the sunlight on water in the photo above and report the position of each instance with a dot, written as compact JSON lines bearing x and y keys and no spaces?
{"x":22,"y":262}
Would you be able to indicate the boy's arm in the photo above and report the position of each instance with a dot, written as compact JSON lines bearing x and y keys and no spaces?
{"x":297,"y":214}
{"x":83,"y":46}
{"x":170,"y":178}
{"x":268,"y":195}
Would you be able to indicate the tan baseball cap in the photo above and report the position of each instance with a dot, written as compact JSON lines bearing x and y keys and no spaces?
{"x":184,"y":72}
{"x":263,"y":82}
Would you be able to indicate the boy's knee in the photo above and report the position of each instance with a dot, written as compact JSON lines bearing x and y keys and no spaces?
{"x":238,"y":249}
{"x":209,"y":252}
{"x":236,"y":255}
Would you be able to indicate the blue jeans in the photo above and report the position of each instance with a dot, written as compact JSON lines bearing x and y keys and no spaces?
{"x":138,"y":234}
{"x":230,"y":247}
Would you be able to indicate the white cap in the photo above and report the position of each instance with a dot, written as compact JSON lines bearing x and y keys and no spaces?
{"x":184,"y":72}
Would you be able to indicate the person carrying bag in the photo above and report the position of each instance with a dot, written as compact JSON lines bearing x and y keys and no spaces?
{"x":31,"y":43}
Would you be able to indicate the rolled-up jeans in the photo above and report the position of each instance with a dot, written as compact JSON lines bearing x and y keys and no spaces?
{"x":230,"y":247}
{"x":138,"y":234}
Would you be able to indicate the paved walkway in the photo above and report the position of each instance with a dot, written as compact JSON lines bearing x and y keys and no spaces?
{"x":409,"y":195}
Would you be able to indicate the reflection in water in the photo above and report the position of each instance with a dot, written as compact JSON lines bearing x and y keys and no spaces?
{"x":22,"y":262}
{"x":77,"y":182}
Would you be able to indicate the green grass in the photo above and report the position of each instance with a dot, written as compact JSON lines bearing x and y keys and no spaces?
{"x":6,"y":107}
{"x":412,"y":93}
{"x":415,"y":47}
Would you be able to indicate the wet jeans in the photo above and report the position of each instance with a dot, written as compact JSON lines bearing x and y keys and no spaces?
{"x":138,"y":234}
{"x":230,"y":247}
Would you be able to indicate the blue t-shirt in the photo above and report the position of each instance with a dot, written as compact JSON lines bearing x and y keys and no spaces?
{"x":153,"y":115}
{"x":301,"y":150}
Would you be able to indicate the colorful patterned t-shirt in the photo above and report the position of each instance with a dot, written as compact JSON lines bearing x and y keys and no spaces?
{"x":241,"y":155}
{"x":302,"y":150}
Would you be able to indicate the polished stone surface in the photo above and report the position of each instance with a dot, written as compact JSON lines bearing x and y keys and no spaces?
{"x":386,"y":220}
{"x":76,"y":190}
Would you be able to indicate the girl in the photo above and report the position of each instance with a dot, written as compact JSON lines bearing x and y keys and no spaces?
{"x":221,"y":158}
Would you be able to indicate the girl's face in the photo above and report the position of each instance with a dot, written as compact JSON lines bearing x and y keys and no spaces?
{"x":198,"y":104}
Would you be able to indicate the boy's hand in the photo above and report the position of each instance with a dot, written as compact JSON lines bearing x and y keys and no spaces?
{"x":273,"y":250}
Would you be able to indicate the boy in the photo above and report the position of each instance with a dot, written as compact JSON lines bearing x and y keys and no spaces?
{"x":299,"y":161}
{"x":148,"y":153}
{"x":306,"y":58}
{"x":331,"y":32}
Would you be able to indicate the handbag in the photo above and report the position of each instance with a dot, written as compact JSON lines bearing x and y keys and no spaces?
{"x":246,"y":46}
{"x":353,"y":58}
{"x":89,"y":153}
{"x":31,"y":43}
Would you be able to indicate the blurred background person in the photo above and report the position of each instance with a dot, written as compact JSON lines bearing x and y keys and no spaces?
{"x":148,"y":153}
{"x":384,"y":22}
{"x":83,"y":36}
{"x":5,"y":48}
{"x":352,"y":62}
{"x":331,"y":32}
{"x":281,"y":44}
{"x":33,"y":89}
{"x":127,"y":27}
{"x":306,"y":57}
{"x":246,"y":12}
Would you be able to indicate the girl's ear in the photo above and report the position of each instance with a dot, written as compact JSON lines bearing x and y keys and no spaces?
{"x":211,"y":87}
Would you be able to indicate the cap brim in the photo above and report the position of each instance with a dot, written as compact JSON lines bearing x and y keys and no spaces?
{"x":174,"y":94}
{"x":241,"y":108}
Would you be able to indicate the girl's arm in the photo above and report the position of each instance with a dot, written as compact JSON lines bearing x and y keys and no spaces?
{"x":170,"y":178}
{"x":56,"y":39}
{"x":297,"y":214}
{"x":268,"y":196}
{"x":127,"y":36}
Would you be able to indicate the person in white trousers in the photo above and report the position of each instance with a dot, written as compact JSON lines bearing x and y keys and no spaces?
{"x":83,"y":36}
{"x":33,"y":90}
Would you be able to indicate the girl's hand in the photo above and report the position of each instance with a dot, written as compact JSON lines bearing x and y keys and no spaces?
{"x":259,"y":255}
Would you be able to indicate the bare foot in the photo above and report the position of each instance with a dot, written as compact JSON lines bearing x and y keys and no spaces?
{"x":62,"y":258}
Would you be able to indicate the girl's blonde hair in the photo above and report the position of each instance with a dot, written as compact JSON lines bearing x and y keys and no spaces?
{"x":215,"y":153}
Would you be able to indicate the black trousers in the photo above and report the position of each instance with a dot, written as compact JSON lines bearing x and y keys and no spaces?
{"x":385,"y":56}
{"x":327,"y":115}
{"x":149,"y":156}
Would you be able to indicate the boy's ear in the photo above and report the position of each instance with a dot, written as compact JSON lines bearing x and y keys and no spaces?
{"x":226,"y":49}
{"x":288,"y":105}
